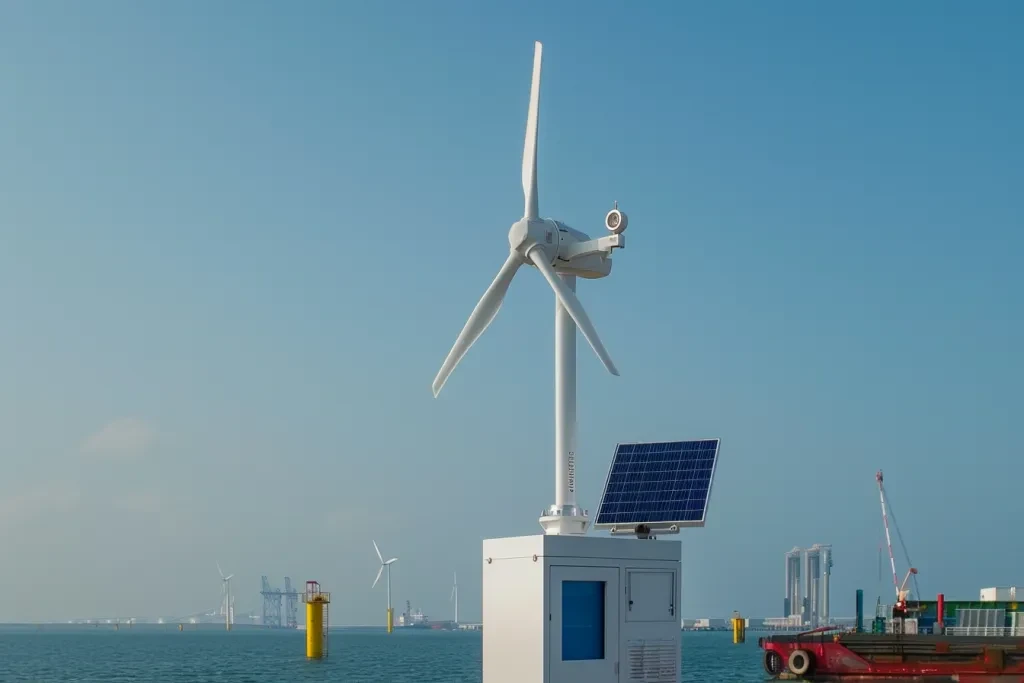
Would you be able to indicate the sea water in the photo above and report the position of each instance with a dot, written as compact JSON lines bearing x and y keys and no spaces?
{"x":162,"y":654}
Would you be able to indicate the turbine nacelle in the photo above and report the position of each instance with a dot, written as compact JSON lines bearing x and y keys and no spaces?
{"x":582,"y":256}
{"x":567,"y":250}
{"x":225,"y":579}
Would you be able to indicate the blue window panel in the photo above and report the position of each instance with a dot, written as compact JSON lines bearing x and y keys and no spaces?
{"x":658,"y":482}
{"x":582,"y":620}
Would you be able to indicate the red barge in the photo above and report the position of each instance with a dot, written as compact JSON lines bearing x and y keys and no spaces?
{"x":850,"y":656}
{"x":966,"y":642}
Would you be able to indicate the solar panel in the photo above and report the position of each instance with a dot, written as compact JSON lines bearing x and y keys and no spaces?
{"x":660,"y":485}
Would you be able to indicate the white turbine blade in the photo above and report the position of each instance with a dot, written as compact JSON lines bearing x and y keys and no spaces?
{"x":479,"y":319}
{"x":531,"y":209}
{"x":378,"y":552}
{"x":229,"y":577}
{"x":452,"y":596}
{"x":219,"y":570}
{"x":392,"y":560}
{"x":568,"y":299}
{"x":379,"y":572}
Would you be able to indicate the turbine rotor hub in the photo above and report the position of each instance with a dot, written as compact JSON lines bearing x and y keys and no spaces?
{"x":526,"y":233}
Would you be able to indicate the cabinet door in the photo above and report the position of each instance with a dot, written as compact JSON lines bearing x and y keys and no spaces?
{"x":651,"y":595}
{"x":584,"y":618}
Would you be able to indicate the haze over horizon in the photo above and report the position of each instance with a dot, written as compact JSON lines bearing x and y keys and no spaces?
{"x":237,"y":242}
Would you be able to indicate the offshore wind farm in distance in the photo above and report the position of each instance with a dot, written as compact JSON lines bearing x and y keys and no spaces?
{"x":279,"y":610}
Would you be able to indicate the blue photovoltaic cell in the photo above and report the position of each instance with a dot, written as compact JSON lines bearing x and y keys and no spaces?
{"x":652,"y":483}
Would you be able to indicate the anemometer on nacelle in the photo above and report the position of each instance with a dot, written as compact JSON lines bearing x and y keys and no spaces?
{"x":616,"y":220}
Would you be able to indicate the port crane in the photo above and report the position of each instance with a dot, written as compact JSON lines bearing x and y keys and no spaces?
{"x":900,"y":608}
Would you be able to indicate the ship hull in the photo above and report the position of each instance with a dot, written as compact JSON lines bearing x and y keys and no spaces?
{"x":864,"y":656}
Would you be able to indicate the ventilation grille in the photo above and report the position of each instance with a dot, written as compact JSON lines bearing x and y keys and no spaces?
{"x":652,"y":661}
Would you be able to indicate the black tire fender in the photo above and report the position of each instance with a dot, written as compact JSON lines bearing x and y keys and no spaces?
{"x":773,"y":663}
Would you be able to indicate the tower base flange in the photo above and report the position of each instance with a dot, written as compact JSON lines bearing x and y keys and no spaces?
{"x":567,"y":520}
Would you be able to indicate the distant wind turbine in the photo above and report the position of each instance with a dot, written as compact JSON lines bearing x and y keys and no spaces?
{"x":380,"y":571}
{"x":229,"y":604}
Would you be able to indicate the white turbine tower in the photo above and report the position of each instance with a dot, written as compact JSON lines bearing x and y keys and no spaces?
{"x":455,"y":596}
{"x":228,"y":604}
{"x":561,"y":254}
{"x":380,"y":571}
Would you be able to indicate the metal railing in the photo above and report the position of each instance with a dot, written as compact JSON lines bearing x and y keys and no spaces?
{"x":998,"y":631}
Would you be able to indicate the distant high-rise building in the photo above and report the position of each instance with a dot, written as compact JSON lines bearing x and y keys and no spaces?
{"x":825,"y":572}
{"x":808,"y":595}
{"x":792,"y":602}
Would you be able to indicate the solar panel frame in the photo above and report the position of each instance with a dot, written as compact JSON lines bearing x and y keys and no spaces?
{"x":659,"y":525}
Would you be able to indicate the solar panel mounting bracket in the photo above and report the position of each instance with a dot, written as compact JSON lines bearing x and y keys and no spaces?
{"x":644,"y":531}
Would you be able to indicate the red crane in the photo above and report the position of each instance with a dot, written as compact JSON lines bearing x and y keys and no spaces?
{"x":901,"y":590}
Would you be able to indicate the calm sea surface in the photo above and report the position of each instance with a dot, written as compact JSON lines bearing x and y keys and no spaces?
{"x":162,"y":654}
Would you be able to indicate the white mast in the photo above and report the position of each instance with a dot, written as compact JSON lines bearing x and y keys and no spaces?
{"x":565,"y":412}
{"x":455,"y":596}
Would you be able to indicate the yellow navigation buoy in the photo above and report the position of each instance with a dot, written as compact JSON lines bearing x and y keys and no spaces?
{"x":739,"y":628}
{"x":317,"y":603}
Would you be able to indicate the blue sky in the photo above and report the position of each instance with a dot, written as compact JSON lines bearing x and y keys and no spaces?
{"x":238,"y":239}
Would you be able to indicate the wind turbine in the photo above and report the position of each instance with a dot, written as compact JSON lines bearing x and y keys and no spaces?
{"x":455,"y":596}
{"x":561,"y":254}
{"x":228,"y":603}
{"x":380,"y":571}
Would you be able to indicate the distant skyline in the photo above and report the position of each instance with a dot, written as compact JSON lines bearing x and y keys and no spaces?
{"x":237,"y":241}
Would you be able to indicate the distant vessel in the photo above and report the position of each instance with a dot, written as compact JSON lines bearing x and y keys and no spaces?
{"x":418,"y":619}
